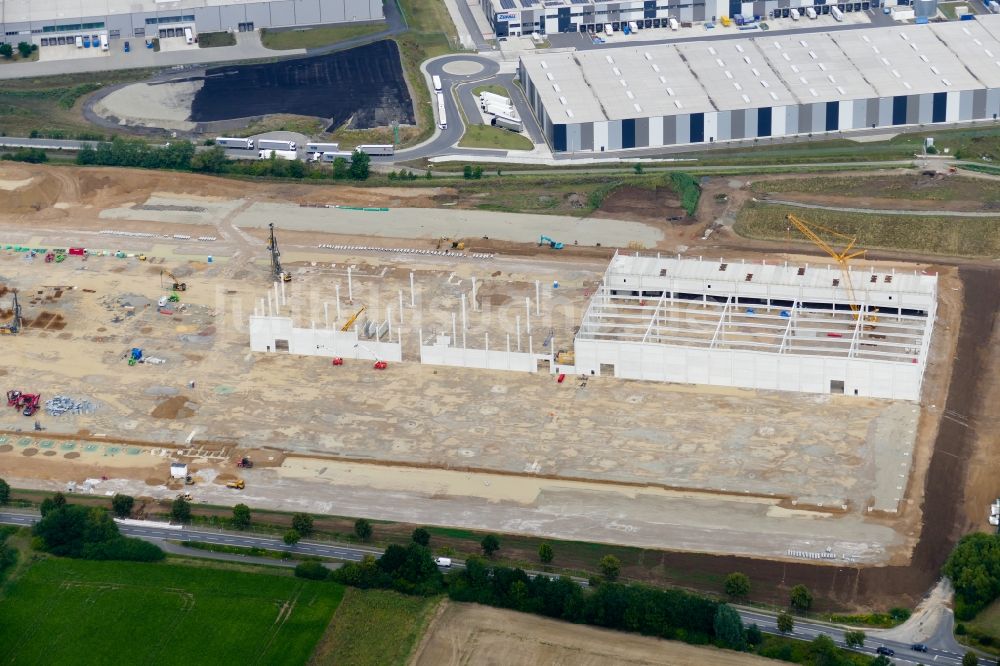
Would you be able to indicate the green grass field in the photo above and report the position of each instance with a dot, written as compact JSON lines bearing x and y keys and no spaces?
{"x":494,"y":88}
{"x":311,"y":38}
{"x":210,"y":40}
{"x":988,"y":621}
{"x":487,"y":136}
{"x":953,"y":236}
{"x":374,"y":628}
{"x":80,"y":612}
{"x":916,"y":187}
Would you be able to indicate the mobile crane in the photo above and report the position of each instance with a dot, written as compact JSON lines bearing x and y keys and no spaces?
{"x":350,"y":322}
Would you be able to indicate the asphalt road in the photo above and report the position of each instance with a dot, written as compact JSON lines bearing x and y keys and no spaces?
{"x":943,"y":649}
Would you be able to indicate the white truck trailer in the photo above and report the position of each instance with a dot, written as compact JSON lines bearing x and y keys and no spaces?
{"x":229,"y":142}
{"x":268,"y":153}
{"x":507,"y":123}
{"x":379,"y":149}
{"x":272,"y":144}
{"x":312,"y":148}
{"x":332,"y":155}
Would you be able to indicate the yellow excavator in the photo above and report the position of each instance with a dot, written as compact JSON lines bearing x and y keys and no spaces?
{"x":350,"y":322}
{"x":842,"y":257}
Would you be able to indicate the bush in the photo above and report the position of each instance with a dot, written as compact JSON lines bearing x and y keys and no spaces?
{"x":754,"y":635}
{"x":291,"y":537}
{"x":974,"y":570}
{"x":180,"y":510}
{"x":29,"y":155}
{"x":362,"y":529}
{"x":421,"y":536}
{"x":241,"y":516}
{"x":545,"y":553}
{"x":728,"y":628}
{"x":737,"y":585}
{"x":312,"y":570}
{"x":611,"y":567}
{"x":801,"y":598}
{"x":490,"y":545}
{"x":25,"y":49}
{"x":785,"y":622}
{"x":77,"y":531}
{"x":122,"y":505}
{"x":688,"y":189}
{"x":302,"y":523}
{"x":4,"y":492}
{"x":7,"y":51}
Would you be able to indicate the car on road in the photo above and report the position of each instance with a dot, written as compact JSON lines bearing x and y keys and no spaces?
{"x":887,"y":651}
{"x":918,"y":647}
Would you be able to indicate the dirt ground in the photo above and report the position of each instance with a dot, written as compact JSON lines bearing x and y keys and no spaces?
{"x":474,"y":634}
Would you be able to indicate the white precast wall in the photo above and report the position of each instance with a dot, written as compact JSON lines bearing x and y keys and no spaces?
{"x":481,"y":358}
{"x":268,"y":333}
{"x":809,"y":328}
{"x":752,"y":370}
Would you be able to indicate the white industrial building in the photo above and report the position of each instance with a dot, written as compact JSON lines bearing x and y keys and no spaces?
{"x":760,"y":326}
{"x":24,"y":20}
{"x":768,"y":86}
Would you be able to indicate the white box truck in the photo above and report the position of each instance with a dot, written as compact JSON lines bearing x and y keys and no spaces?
{"x":836,"y":14}
{"x":321,"y":147}
{"x":794,"y":13}
{"x":271,"y":144}
{"x":810,"y":12}
{"x":230,"y":142}
{"x":188,"y":36}
{"x":104,"y":42}
{"x":608,"y":30}
{"x":633,"y":27}
{"x":674,"y":25}
{"x":279,"y":154}
{"x":79,"y":42}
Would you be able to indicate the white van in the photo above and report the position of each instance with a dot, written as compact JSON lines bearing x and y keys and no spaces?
{"x":79,"y":42}
{"x":442,"y":561}
{"x":608,"y":30}
{"x":189,"y":35}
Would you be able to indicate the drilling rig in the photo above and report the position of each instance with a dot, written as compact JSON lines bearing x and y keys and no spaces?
{"x":13,"y":327}
{"x":276,"y":269}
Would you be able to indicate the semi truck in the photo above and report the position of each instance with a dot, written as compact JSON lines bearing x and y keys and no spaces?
{"x":505,"y":111}
{"x":229,"y":142}
{"x":379,"y":149}
{"x":506,"y":123}
{"x":442,"y":115}
{"x":331,"y":155}
{"x":267,"y":153}
{"x":322,"y":147}
{"x":272,"y":144}
{"x":491,"y":98}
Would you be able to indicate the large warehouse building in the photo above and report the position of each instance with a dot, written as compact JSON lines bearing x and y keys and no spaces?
{"x":760,"y":326}
{"x":23,"y":19}
{"x":778,"y":85}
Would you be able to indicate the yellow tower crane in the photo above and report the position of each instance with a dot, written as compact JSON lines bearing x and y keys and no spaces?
{"x":842,"y":257}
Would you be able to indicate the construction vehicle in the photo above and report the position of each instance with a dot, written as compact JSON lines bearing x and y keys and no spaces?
{"x":455,"y":245}
{"x":842,"y":257}
{"x":13,"y":327}
{"x":245,"y":462}
{"x":188,"y":480}
{"x":26,"y":403}
{"x":177,"y":286}
{"x":276,"y":269}
{"x":380,"y":365}
{"x":545,"y":240}
{"x":174,"y":297}
{"x":350,"y":322}
{"x":238,"y":484}
{"x":184,"y":496}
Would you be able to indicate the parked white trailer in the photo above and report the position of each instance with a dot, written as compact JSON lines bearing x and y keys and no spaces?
{"x":505,"y":111}
{"x":332,"y":155}
{"x":442,"y":115}
{"x":189,"y":35}
{"x":104,"y":42}
{"x":272,"y":144}
{"x":507,"y":123}
{"x":608,"y":30}
{"x":436,"y":80}
{"x":380,"y":149}
{"x":229,"y":142}
{"x":810,"y":12}
{"x":486,"y":97}
{"x":79,"y":42}
{"x":674,"y":25}
{"x":794,"y":13}
{"x":267,"y":154}
{"x":321,"y":147}
{"x":836,"y":13}
{"x":633,"y":27}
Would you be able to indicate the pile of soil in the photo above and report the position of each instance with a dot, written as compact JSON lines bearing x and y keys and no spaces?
{"x":641,"y":204}
{"x":173,"y":408}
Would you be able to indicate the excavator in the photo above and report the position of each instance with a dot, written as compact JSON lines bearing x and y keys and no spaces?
{"x":350,"y":322}
{"x":554,"y":244}
{"x":178,"y":286}
{"x":842,"y":257}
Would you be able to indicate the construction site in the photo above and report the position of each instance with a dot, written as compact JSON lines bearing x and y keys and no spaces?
{"x":766,"y":404}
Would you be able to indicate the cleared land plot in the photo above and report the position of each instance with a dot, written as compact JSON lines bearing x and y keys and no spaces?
{"x":374,"y":628}
{"x":955,"y":236}
{"x":313,"y":37}
{"x":472,"y":634}
{"x":487,"y":136}
{"x":72,"y":611}
{"x":210,"y":40}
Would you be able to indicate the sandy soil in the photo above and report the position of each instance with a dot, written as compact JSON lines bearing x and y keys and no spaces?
{"x":166,"y":105}
{"x":474,"y":634}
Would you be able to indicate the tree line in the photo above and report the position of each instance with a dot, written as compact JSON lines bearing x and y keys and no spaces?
{"x":182,"y":156}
